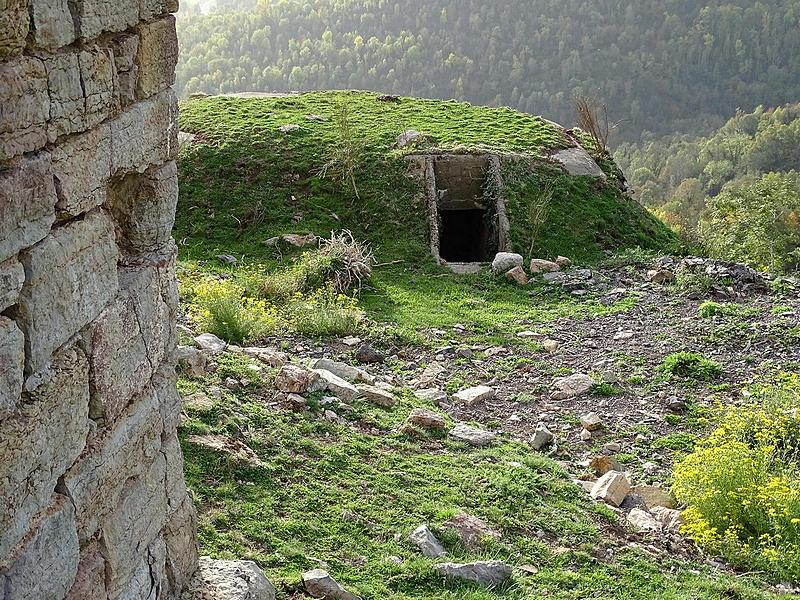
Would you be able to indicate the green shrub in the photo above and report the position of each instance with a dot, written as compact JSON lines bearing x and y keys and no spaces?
{"x":324,"y":312}
{"x":218,"y":306}
{"x":741,"y":486}
{"x":690,"y":365}
{"x":709,"y":309}
{"x":340,"y":261}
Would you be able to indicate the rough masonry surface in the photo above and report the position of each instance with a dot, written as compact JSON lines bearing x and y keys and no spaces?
{"x":93,"y":503}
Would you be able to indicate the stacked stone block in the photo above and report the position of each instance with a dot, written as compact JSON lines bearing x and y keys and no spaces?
{"x":93,"y":503}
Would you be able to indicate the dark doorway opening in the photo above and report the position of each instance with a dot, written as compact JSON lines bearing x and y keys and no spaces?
{"x":463,"y":235}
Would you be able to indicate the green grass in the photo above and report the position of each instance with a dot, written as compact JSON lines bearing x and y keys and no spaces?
{"x":243,"y":182}
{"x":347,"y":497}
{"x":329,"y":493}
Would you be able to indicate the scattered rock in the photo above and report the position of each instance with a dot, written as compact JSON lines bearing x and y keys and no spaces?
{"x":268,"y":356}
{"x":297,"y":380}
{"x":233,"y":447}
{"x":654,"y":496}
{"x":670,"y":519}
{"x":368,"y":355}
{"x":642,"y":521}
{"x":592,"y":422}
{"x":293,"y":239}
{"x":351,"y":341}
{"x":563,"y":262}
{"x":572,"y":386}
{"x":299,"y":240}
{"x":321,"y":585}
{"x":603,"y":464}
{"x":471,"y":435}
{"x":505,"y":261}
{"x":492,"y":573}
{"x":551,"y":346}
{"x":313,"y":117}
{"x":623,"y":335}
{"x":539,"y":265}
{"x":518,"y":276}
{"x":209,"y":343}
{"x":585,"y":435}
{"x":198,"y":402}
{"x":338,"y":386}
{"x":410,"y":137}
{"x":388,"y":98}
{"x":343,"y":370}
{"x":423,"y":538}
{"x":529,"y":335}
{"x":577,"y":161}
{"x":611,"y":488}
{"x":228,"y":580}
{"x":289,"y":128}
{"x":473,"y":395}
{"x":426,"y":419}
{"x":191,"y":361}
{"x":227,"y":259}
{"x":661,"y":276}
{"x":471,"y":530}
{"x":541,"y":437}
{"x":377,"y":396}
{"x":433,"y":395}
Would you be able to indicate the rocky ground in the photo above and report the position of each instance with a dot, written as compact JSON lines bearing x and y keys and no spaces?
{"x":591,"y":393}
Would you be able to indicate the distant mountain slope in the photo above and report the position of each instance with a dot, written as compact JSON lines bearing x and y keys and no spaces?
{"x":677,"y":174}
{"x":662,"y":66}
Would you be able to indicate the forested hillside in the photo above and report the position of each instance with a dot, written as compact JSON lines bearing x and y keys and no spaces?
{"x":661,"y":66}
{"x":739,"y":187}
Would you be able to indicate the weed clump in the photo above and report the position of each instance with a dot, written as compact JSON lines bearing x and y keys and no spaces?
{"x":220,"y":307}
{"x":341,"y":262}
{"x":691,"y":365}
{"x":741,"y":485}
{"x":325,"y":312}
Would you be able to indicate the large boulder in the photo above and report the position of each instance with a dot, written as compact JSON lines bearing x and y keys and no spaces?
{"x":505,"y":261}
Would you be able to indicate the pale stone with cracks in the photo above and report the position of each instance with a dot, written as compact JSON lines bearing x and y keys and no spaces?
{"x":24,"y":106}
{"x":51,"y":24}
{"x":156,"y":57}
{"x":45,"y":564}
{"x":27,"y":203}
{"x":12,"y":365}
{"x":71,"y":277}
{"x":39,"y":443}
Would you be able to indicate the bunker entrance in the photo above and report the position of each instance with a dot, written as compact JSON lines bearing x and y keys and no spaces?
{"x":464,"y":215}
{"x":464,"y":236}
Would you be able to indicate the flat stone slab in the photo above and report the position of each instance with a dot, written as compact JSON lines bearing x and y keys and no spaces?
{"x":472,"y":435}
{"x":577,"y":161}
{"x":474,"y":395}
{"x":491,"y":573}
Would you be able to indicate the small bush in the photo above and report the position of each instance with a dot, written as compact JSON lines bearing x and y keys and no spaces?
{"x":340,"y":261}
{"x":709,"y":309}
{"x":324,"y":312}
{"x":741,"y":486}
{"x":218,"y":306}
{"x":690,"y":365}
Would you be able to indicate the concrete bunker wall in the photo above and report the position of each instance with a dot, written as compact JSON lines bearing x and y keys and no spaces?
{"x":93,"y":503}
{"x":466,"y":210}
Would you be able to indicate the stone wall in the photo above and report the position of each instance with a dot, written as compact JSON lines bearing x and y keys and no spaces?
{"x":92,"y":497}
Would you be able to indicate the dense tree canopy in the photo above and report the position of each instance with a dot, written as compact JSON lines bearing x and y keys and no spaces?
{"x":661,"y":65}
{"x":736,"y":191}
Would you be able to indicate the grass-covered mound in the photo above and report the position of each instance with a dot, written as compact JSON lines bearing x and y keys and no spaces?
{"x":243,"y":180}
